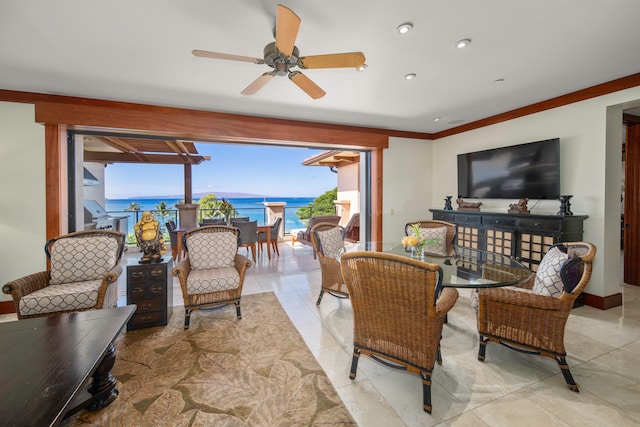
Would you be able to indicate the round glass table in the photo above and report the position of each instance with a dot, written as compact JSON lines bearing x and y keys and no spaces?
{"x":469,"y":268}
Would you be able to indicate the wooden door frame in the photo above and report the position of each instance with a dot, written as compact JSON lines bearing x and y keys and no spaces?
{"x":631,"y":274}
{"x":108,"y":116}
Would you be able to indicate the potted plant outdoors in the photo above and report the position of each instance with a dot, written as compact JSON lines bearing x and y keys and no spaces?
{"x":225,"y":209}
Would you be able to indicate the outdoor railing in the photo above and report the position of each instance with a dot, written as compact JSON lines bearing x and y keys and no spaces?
{"x":255,"y":214}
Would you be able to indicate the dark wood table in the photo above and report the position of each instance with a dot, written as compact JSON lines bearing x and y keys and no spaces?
{"x":46,"y":362}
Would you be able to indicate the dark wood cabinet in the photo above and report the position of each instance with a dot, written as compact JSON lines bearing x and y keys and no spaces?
{"x":150,"y":287}
{"x":523,"y":236}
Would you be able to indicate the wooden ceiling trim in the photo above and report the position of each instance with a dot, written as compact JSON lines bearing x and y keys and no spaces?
{"x":166,"y":159}
{"x":202,"y":125}
{"x":570,"y":98}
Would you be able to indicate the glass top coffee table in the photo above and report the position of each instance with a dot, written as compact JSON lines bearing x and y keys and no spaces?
{"x":469,"y":268}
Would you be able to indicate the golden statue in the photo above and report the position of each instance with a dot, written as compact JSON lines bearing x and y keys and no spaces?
{"x":149,"y":238}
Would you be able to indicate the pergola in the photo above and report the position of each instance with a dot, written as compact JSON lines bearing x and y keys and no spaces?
{"x":132,"y":149}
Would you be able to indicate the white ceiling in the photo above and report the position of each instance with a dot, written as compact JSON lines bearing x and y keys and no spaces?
{"x":140,"y":51}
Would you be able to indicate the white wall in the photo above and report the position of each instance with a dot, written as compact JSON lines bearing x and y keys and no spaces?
{"x":22,"y":193}
{"x":407,"y":189}
{"x":590,"y":150}
{"x":349,"y":189}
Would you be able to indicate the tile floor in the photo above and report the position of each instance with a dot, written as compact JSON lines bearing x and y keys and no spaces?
{"x":508,"y":389}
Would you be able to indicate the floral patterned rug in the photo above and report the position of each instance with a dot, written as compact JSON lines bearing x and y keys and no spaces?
{"x":256,"y":371}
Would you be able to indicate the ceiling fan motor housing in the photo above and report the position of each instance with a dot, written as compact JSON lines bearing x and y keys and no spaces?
{"x":279,"y":62}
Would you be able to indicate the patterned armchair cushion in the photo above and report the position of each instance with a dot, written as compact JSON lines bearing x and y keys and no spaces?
{"x":212,"y":250}
{"x":331,"y":242}
{"x":55,"y":298}
{"x":83,"y":258}
{"x":548,"y":281}
{"x":437,"y":240}
{"x":207,"y":281}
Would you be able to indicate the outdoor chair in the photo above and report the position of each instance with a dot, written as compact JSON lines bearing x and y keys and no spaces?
{"x":275,"y":235}
{"x":85,"y":267}
{"x":399,"y":309}
{"x":352,"y":229}
{"x":239,"y":219}
{"x":531,"y":318}
{"x":212,"y":273}
{"x":441,"y":233}
{"x":328,"y":241}
{"x":248,"y":236}
{"x":212,"y":221}
{"x":304,"y":236}
{"x":173,"y":237}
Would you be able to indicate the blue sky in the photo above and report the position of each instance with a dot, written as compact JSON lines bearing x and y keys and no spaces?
{"x":262,"y":170}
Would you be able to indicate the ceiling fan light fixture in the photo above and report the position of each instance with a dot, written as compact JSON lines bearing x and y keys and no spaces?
{"x":463,"y":43}
{"x":410,"y":76}
{"x":403,"y":29}
{"x":362,"y":67}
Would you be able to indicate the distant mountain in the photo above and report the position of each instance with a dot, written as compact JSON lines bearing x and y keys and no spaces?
{"x":220,"y":195}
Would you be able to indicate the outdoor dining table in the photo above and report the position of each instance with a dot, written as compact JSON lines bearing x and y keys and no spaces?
{"x":267,"y":230}
{"x":469,"y":268}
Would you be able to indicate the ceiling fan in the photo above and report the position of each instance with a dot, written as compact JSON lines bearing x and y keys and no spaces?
{"x":282,"y":55}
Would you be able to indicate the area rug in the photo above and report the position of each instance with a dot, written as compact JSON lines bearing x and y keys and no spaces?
{"x":256,"y":371}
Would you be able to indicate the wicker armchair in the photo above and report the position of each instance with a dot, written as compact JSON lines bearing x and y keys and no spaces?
{"x":304,"y":236}
{"x":85,"y":267}
{"x":436,"y":226}
{"x":212,"y":273}
{"x":398,"y":312}
{"x":531,"y":322}
{"x":328,"y":239}
{"x":212,"y":221}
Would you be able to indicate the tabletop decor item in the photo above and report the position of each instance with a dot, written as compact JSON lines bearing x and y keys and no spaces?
{"x":447,"y":203}
{"x":422,"y":241}
{"x":520,"y":207}
{"x":565,"y":205}
{"x":468,"y":206}
{"x":149,"y":238}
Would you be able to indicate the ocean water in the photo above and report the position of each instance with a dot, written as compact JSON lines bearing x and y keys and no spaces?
{"x":246,"y":206}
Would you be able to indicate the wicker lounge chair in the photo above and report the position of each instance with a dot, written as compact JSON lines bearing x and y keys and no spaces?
{"x":213,"y":272}
{"x":531,"y":322}
{"x":398,"y":312}
{"x":85,"y":267}
{"x":328,"y":239}
{"x":352,"y":229}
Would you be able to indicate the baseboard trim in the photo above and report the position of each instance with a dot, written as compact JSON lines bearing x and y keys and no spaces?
{"x":7,"y":307}
{"x":603,"y":303}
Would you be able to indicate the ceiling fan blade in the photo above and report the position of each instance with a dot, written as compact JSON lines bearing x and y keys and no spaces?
{"x":218,"y":55}
{"x":305,"y":83}
{"x":287,"y":25}
{"x":258,"y":84}
{"x":335,"y":60}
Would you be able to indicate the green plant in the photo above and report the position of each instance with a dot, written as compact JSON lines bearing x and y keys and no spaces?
{"x":322,"y":205}
{"x":207,"y":206}
{"x":133,"y":206}
{"x":224,"y":209}
{"x":162,"y":211}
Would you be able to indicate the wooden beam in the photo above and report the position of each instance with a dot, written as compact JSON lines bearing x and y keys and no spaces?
{"x":56,"y":172}
{"x":376,"y":195}
{"x":161,"y":159}
{"x":203,"y":125}
{"x":188,"y":186}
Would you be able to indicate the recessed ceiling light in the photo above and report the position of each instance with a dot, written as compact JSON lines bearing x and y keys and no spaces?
{"x":404,"y":28}
{"x":498,"y":81}
{"x":410,"y":76}
{"x":362,"y":67}
{"x":437,"y":119}
{"x":463,"y":43}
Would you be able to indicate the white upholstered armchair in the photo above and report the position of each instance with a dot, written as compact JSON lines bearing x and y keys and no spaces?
{"x":85,"y":267}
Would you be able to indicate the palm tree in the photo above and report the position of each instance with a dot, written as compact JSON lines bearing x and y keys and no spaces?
{"x":163,"y":211}
{"x":133,"y":206}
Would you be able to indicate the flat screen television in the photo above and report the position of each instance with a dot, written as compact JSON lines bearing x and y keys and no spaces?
{"x":529,"y":170}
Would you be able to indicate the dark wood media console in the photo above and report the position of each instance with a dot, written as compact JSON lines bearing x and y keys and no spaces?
{"x":526,"y":237}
